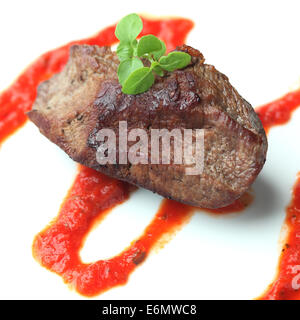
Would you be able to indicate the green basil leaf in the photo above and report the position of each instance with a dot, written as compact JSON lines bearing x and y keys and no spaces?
{"x":148,"y":44}
{"x":161,"y":52}
{"x":139,"y":81}
{"x":175,"y":60}
{"x":134,"y":44}
{"x":126,"y":67}
{"x":124,"y":51}
{"x":156,"y":68}
{"x":159,"y":71}
{"x":129,"y":28}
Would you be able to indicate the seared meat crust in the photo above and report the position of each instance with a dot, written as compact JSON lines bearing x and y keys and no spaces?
{"x":86,"y":96}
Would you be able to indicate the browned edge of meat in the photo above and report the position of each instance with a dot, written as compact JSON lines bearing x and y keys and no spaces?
{"x":86,"y":96}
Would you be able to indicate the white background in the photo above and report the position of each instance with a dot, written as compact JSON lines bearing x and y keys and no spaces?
{"x":256,"y":44}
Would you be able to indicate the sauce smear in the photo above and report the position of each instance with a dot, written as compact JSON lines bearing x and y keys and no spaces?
{"x":287,"y":283}
{"x":94,"y":194}
{"x":279,"y":111}
{"x":89,"y":199}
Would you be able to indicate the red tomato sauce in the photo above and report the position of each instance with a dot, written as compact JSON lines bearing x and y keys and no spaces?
{"x":287,"y":282}
{"x":94,"y":194}
{"x":89,"y":199}
{"x":279,"y":112}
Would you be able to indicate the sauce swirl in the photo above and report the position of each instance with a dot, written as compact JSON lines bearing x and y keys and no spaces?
{"x":90,"y":198}
{"x":93,"y":194}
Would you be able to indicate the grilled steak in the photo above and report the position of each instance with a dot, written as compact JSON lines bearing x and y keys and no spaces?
{"x":86,"y":96}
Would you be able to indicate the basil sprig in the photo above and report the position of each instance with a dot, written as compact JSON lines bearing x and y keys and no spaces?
{"x":134,"y":77}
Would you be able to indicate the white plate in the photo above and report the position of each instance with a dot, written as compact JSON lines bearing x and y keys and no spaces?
{"x":227,"y":257}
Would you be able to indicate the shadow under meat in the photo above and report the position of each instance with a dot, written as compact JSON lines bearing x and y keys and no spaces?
{"x":264,"y":203}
